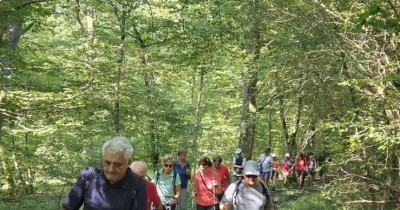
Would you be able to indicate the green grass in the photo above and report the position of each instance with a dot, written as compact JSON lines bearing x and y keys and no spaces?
{"x":307,"y":201}
{"x":32,"y":202}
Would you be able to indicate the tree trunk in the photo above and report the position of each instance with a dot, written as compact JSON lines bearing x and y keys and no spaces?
{"x":198,"y":130}
{"x":120,"y":63}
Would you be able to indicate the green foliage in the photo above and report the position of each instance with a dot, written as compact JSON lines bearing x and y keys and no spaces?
{"x":67,"y":87}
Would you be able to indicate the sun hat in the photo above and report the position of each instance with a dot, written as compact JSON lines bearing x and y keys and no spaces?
{"x":251,"y":168}
{"x":287,"y":155}
{"x":273,"y":155}
{"x":238,"y":151}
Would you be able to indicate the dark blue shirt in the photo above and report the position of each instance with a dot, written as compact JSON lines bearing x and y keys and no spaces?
{"x":127,"y":194}
{"x":182,"y":173}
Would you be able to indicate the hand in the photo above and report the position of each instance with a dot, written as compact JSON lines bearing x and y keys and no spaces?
{"x":226,"y":206}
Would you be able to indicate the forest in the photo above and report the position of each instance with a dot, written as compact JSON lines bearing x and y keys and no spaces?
{"x":320,"y":76}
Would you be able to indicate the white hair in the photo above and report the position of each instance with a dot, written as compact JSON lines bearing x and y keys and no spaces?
{"x":118,"y":144}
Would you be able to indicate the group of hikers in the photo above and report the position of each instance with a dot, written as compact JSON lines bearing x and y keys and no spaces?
{"x":120,"y":184}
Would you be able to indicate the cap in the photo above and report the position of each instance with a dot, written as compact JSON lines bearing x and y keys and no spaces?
{"x":273,"y":155}
{"x":251,"y":168}
{"x":287,"y":155}
{"x":238,"y":151}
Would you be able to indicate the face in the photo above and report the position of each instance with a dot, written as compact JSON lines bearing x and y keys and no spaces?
{"x":251,"y":180}
{"x":205,"y":168}
{"x":217,"y":165}
{"x":114,"y":166}
{"x":167,"y":166}
{"x":182,"y":157}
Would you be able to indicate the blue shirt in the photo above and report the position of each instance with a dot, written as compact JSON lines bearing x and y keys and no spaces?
{"x":127,"y":194}
{"x":182,"y":173}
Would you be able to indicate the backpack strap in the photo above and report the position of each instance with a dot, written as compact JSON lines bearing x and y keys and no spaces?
{"x":205,"y":185}
{"x":157,"y":176}
{"x":134,"y":202}
{"x":236,"y":192}
{"x":93,"y":173}
{"x":174,"y":181}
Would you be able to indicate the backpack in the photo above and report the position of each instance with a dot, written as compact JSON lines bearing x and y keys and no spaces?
{"x":236,"y":192}
{"x":173,"y":179}
{"x":238,"y":161}
{"x":93,"y":174}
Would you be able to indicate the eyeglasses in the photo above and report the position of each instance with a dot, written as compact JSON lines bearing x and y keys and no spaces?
{"x":168,"y":165}
{"x":251,"y":176}
{"x":108,"y":164}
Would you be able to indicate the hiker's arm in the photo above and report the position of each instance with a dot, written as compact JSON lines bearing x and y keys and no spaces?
{"x":159,"y":207}
{"x":218,"y":188}
{"x":74,"y":199}
{"x":178,"y":191}
{"x":195,"y":185}
{"x":228,"y":178}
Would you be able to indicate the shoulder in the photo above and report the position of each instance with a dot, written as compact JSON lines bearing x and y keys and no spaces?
{"x":136,"y":179}
{"x":231,"y":188}
{"x":150,"y":185}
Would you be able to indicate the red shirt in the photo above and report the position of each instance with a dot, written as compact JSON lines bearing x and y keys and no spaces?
{"x":224,"y":175}
{"x":301,"y":164}
{"x":285,"y":166}
{"x":205,"y":194}
{"x":152,"y":196}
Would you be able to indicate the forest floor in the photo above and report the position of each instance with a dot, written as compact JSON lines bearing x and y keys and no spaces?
{"x":284,"y":198}
{"x":293,"y":197}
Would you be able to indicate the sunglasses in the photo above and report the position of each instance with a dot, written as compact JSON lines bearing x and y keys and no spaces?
{"x":168,"y":165}
{"x":251,"y":176}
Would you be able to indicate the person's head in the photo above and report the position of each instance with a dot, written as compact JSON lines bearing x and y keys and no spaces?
{"x":267,"y":150}
{"x":301,"y":155}
{"x":181,"y":154}
{"x":168,"y":163}
{"x":238,"y":151}
{"x":287,"y":156}
{"x":205,"y":164}
{"x":116,"y":154}
{"x":140,"y":168}
{"x":217,"y":161}
{"x":251,"y":173}
{"x":273,"y":155}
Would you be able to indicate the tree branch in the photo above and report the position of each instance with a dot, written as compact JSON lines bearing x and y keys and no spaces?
{"x":393,"y":8}
{"x":378,"y":183}
{"x":77,"y":13}
{"x":371,"y":202}
{"x":23,"y":5}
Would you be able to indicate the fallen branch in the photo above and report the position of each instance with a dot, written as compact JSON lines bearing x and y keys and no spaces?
{"x":371,"y":202}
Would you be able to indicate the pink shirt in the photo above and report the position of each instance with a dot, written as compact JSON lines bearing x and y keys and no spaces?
{"x":152,"y":196}
{"x":223,"y":173}
{"x":301,"y":164}
{"x":205,"y":195}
